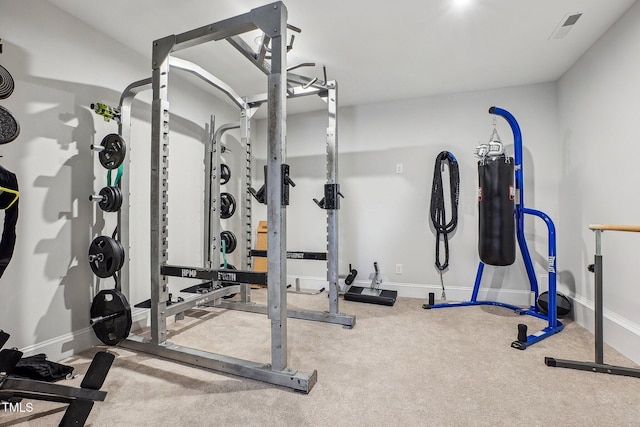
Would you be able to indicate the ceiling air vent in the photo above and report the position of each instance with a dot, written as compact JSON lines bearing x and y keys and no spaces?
{"x":565,"y":25}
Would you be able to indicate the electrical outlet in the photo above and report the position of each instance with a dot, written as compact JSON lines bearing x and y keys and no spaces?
{"x":398,"y":268}
{"x":399,"y":168}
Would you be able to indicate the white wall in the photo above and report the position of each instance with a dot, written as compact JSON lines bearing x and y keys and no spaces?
{"x":60,"y":67}
{"x":385,"y":216}
{"x":599,"y":100}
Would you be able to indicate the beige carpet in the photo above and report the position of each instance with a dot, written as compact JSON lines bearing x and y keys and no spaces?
{"x":399,"y":366}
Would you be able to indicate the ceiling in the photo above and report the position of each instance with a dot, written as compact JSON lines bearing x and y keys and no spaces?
{"x":375,"y":50}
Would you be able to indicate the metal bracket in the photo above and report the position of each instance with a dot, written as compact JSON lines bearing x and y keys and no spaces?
{"x":286,"y":182}
{"x":269,"y":18}
{"x":161,"y":50}
{"x":261,"y":194}
{"x":331,"y":199}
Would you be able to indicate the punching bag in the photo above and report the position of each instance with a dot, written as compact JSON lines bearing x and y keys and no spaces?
{"x":496,"y":204}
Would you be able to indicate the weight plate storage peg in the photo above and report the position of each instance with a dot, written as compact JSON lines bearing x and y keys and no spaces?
{"x":227,"y":205}
{"x":106,"y":256}
{"x":111,"y":316}
{"x":113,"y":151}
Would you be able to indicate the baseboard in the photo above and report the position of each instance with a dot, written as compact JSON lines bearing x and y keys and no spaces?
{"x":67,"y":345}
{"x":421,"y":291}
{"x":618,"y":332}
{"x":63,"y":346}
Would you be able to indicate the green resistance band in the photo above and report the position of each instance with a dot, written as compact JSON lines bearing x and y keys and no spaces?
{"x":118,"y":176}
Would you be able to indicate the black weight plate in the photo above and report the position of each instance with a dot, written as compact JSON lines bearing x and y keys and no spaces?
{"x":114,"y":151}
{"x":563,"y":304}
{"x":121,"y":254}
{"x":114,"y":329}
{"x":6,"y":83}
{"x":118,"y":198}
{"x":227,"y":205}
{"x":225,"y":174}
{"x":9,"y":126}
{"x":230,"y":241}
{"x":112,"y":199}
{"x":106,"y":256}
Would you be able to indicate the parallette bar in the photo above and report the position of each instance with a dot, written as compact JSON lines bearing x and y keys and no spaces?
{"x":615,"y":227}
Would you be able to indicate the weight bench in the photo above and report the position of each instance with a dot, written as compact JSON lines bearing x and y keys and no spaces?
{"x":80,"y":399}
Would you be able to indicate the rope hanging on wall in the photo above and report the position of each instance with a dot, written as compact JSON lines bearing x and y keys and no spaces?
{"x":437,"y":208}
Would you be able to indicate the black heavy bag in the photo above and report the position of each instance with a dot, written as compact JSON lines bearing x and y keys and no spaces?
{"x":496,"y":195}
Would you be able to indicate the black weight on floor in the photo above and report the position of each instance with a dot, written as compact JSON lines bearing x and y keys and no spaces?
{"x":563,"y":304}
{"x":225,"y":174}
{"x":227,"y":205}
{"x":230,"y":241}
{"x":9,"y":126}
{"x":111,"y":199}
{"x":106,"y":256}
{"x":111,"y":316}
{"x":114,"y":151}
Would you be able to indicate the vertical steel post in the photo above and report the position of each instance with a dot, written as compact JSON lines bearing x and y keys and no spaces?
{"x":124,"y":130}
{"x":208,"y":186}
{"x":214,"y":208}
{"x":332,"y":214}
{"x":159,"y":186}
{"x":599,"y":344}
{"x":246,"y":227}
{"x":276,"y":210}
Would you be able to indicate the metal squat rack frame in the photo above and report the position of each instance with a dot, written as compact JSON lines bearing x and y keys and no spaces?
{"x":553,"y":324}
{"x":271,"y":19}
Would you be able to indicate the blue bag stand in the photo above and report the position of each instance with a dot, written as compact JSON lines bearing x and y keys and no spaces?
{"x":554,"y":325}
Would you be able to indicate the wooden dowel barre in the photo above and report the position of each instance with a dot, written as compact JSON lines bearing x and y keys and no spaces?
{"x":615,"y":227}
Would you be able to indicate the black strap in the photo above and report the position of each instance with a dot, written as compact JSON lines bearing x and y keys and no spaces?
{"x":8,"y":242}
{"x":438,"y":216}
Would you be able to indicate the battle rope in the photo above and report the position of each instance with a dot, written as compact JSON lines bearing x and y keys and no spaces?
{"x":438,"y":215}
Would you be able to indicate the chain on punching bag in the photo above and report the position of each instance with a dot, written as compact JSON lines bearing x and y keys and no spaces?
{"x":496,"y":204}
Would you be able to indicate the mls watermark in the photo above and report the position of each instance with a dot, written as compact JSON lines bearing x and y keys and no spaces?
{"x":17,"y":407}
